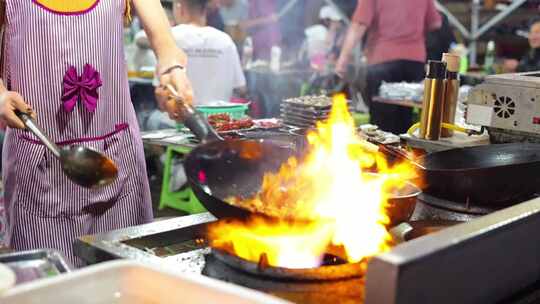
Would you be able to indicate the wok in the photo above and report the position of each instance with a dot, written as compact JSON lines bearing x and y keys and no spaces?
{"x":494,"y":175}
{"x":220,"y":169}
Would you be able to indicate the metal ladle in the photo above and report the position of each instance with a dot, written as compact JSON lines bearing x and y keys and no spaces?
{"x":84,"y":166}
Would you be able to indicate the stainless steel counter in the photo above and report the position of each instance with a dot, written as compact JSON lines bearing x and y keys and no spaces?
{"x":138,"y":243}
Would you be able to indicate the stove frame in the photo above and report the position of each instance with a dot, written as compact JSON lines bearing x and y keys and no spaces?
{"x":485,"y":260}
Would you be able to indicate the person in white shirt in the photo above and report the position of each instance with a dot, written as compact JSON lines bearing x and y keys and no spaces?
{"x":214,"y":65}
{"x":323,"y":38}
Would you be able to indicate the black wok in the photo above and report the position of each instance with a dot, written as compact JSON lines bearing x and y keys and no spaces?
{"x":220,"y":169}
{"x":495,"y":175}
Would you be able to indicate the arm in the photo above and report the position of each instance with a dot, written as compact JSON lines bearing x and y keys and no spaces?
{"x":433,"y":17}
{"x":355,"y":34}
{"x":9,"y":100}
{"x":256,"y":19}
{"x":332,"y":34}
{"x":361,"y":21}
{"x":249,"y":24}
{"x":158,"y":31}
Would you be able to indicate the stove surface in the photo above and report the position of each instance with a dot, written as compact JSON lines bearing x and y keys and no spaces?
{"x":175,"y":243}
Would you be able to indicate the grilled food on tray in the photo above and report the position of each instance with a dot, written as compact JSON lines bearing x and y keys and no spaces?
{"x":224,"y":123}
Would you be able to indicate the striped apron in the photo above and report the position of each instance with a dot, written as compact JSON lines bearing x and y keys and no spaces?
{"x":68,"y":64}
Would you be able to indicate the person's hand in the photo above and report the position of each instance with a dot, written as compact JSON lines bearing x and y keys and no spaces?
{"x":9,"y":102}
{"x":341,"y":67}
{"x":175,"y":76}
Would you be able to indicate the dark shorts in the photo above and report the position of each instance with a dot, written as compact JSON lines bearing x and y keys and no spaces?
{"x":391,"y":118}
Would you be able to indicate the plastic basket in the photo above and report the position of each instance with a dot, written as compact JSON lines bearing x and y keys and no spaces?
{"x":235,"y":112}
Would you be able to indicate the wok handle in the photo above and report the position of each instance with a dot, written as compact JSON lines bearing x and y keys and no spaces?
{"x":193,"y":120}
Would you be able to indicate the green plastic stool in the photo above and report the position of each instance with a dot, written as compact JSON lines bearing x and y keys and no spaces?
{"x":183,"y":200}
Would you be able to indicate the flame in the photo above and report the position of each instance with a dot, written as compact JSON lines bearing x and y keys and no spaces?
{"x":324,"y":200}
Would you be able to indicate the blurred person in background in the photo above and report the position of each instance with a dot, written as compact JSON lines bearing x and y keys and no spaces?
{"x":439,"y":41}
{"x":323,"y":40}
{"x":531,"y":61}
{"x":336,"y":30}
{"x":213,"y":17}
{"x":234,"y":12}
{"x":346,"y":6}
{"x":213,"y":62}
{"x":263,"y":26}
{"x":395,"y":50}
{"x":291,"y":26}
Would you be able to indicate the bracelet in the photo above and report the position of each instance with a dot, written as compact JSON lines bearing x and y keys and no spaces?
{"x":170,"y":69}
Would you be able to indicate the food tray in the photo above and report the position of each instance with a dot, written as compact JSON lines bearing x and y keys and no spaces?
{"x":303,"y":116}
{"x":236,"y":111}
{"x":289,"y":117}
{"x":307,"y":110}
{"x":33,"y":265}
{"x":128,"y":282}
{"x":299,"y":124}
{"x":299,"y":103}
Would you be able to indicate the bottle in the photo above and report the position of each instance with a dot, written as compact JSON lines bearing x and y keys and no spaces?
{"x":461,"y":51}
{"x":247,"y":52}
{"x":451,"y":92}
{"x":490,"y":58}
{"x":275,"y":58}
{"x":433,"y":103}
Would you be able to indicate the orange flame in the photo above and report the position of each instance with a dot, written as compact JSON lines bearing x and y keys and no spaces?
{"x":325,"y":199}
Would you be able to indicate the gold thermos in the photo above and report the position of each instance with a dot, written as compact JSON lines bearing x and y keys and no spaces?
{"x":451,"y":92}
{"x":433,"y":104}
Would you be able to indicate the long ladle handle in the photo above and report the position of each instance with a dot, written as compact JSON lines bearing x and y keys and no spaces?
{"x":193,"y":120}
{"x":397,"y":153}
{"x":31,"y":125}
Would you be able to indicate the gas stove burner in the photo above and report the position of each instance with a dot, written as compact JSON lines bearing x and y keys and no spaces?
{"x":334,"y":268}
{"x":345,"y":291}
{"x":460,"y":207}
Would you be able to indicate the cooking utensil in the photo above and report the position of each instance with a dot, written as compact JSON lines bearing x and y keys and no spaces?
{"x":484,"y":175}
{"x":84,"y":166}
{"x":220,"y":169}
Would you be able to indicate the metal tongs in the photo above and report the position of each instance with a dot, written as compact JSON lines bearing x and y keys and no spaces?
{"x":192,"y":119}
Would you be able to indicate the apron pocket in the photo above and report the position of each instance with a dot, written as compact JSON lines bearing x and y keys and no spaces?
{"x":45,"y":191}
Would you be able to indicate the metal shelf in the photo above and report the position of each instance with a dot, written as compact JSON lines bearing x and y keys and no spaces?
{"x":477,"y":30}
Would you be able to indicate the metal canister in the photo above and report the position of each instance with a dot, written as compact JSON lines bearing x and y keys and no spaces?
{"x":451,"y":91}
{"x":433,"y":103}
